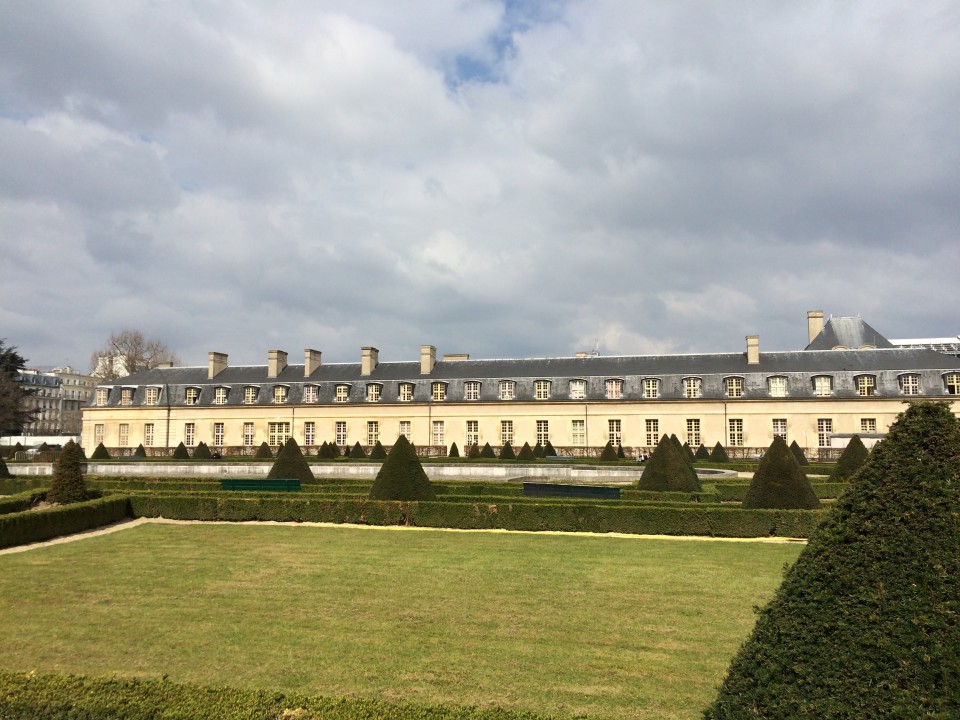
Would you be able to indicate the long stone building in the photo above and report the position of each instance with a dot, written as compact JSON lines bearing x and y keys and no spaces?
{"x":848,"y":380}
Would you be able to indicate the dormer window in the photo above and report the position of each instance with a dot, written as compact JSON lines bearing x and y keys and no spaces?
{"x":910,"y":384}
{"x":541,"y":389}
{"x":280,"y":393}
{"x":951,"y":383}
{"x":102,"y":395}
{"x":310,"y":395}
{"x":438,"y":391}
{"x":578,"y":389}
{"x":250,"y":393}
{"x":823,"y":386}
{"x":866,"y":385}
{"x":152,"y":395}
{"x":614,"y":389}
{"x":191,"y":395}
{"x":373,"y":392}
{"x":692,"y":387}
{"x":471,"y":390}
{"x":508,"y":390}
{"x":651,"y":389}
{"x":733,"y":387}
{"x":220,"y":395}
{"x":777,"y":386}
{"x":405,"y":392}
{"x":342,"y":393}
{"x":126,"y":396}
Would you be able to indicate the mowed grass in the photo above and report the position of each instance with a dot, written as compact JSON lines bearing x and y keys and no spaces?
{"x":610,"y":627}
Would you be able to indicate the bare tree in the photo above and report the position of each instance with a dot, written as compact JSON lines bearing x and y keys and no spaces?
{"x":128,"y":352}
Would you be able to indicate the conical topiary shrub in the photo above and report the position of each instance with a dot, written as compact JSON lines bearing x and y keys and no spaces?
{"x":487,"y":452}
{"x":181,"y":453}
{"x":526,"y":453}
{"x":702,"y":453}
{"x":401,"y":476}
{"x":780,"y":483}
{"x":548,"y":450}
{"x":682,"y":449}
{"x":66,"y":485}
{"x":689,"y":451}
{"x":201,"y":451}
{"x":621,"y":455}
{"x":538,"y":450}
{"x":798,"y":454}
{"x":454,"y":451}
{"x":378,"y":452}
{"x":323,"y":451}
{"x":357,"y":452}
{"x":608,"y":454}
{"x":333,"y":451}
{"x":263,"y":452}
{"x":140,"y":452}
{"x":668,"y":469}
{"x":853,"y":456}
{"x":4,"y":470}
{"x":507,"y":453}
{"x":291,"y":463}
{"x":718,"y":454}
{"x":864,"y":624}
{"x":100,"y":453}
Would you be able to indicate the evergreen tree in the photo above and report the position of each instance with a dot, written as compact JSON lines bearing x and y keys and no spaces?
{"x":67,"y":485}
{"x":507,"y":453}
{"x":201,"y":451}
{"x":702,"y":453}
{"x":854,"y":455}
{"x":780,"y":483}
{"x":454,"y":451}
{"x":688,"y":458}
{"x":263,"y":452}
{"x":179,"y":453}
{"x":474,"y":452}
{"x":378,"y":452}
{"x":621,"y":455}
{"x":538,"y":450}
{"x":100,"y":453}
{"x":4,"y":470}
{"x":401,"y":476}
{"x":798,"y":454}
{"x":548,"y":450}
{"x":333,"y":451}
{"x":487,"y":452}
{"x":526,"y":453}
{"x":689,"y":452}
{"x":323,"y":451}
{"x":864,"y":624}
{"x":140,"y":452}
{"x":608,"y":454}
{"x":357,"y":452}
{"x":291,"y":463}
{"x":668,"y":469}
{"x":719,"y":455}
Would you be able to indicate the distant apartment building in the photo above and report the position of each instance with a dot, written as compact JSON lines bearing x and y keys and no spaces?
{"x":56,"y":399}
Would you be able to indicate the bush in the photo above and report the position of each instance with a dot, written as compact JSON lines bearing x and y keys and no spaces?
{"x":487,"y":452}
{"x":548,"y":450}
{"x":473,"y":452}
{"x":507,"y":453}
{"x":180,"y":452}
{"x":401,"y":476}
{"x":323,"y":451}
{"x":140,"y":452}
{"x":378,"y":453}
{"x":538,"y":450}
{"x":865,"y":622}
{"x":101,"y":453}
{"x":621,"y":455}
{"x":263,"y":452}
{"x":702,"y":453}
{"x":4,"y":470}
{"x":66,"y":485}
{"x":853,"y":456}
{"x":201,"y":451}
{"x":454,"y":451}
{"x":526,"y":453}
{"x":291,"y":463}
{"x":668,"y":469}
{"x":780,"y":482}
{"x":357,"y":452}
{"x":798,"y":454}
{"x":333,"y":451}
{"x":608,"y":454}
{"x":719,"y":455}
{"x":39,"y":525}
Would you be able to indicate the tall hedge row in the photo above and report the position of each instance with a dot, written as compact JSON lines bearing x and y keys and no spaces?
{"x":37,"y":525}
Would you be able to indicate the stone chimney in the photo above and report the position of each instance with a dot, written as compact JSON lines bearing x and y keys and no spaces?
{"x":217,"y":364}
{"x":276,"y":362}
{"x":368,"y":360}
{"x":428,"y":358}
{"x":311,"y":361}
{"x":814,"y":324}
{"x":753,"y":349}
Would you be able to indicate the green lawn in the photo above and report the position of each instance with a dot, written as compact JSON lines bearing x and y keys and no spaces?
{"x":611,"y":627}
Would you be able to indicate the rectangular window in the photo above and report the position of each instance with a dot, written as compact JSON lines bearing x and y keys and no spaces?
{"x":614,"y":389}
{"x":471,"y":390}
{"x":341,"y":432}
{"x":102,"y":395}
{"x":473,"y":432}
{"x":310,"y":433}
{"x":824,"y":432}
{"x":653,"y":432}
{"x":868,"y":425}
{"x":148,"y":434}
{"x":189,"y":434}
{"x":405,"y":429}
{"x":693,"y":433}
{"x":343,"y":394}
{"x":218,"y":434}
{"x":373,"y":432}
{"x":248,"y":434}
{"x":310,"y":394}
{"x":777,"y":386}
{"x":506,"y":432}
{"x":692,"y":387}
{"x":543,"y":431}
{"x":98,"y":434}
{"x":373,"y":392}
{"x":279,"y":394}
{"x":126,"y":396}
{"x":951,"y":383}
{"x":823,"y":386}
{"x":578,"y":389}
{"x":124,"y":434}
{"x":405,"y":393}
{"x":780,"y":428}
{"x":578,"y":432}
{"x":438,"y":391}
{"x":278,"y":433}
{"x":651,"y":388}
{"x":734,"y":387}
{"x":542,"y":389}
{"x":220,"y":396}
{"x":910,"y":384}
{"x":249,"y":395}
{"x":613,"y":432}
{"x":152,"y":396}
{"x":866,"y":385}
{"x":507,"y":389}
{"x":438,"y":432}
{"x":192,"y":396}
{"x":735,"y":428}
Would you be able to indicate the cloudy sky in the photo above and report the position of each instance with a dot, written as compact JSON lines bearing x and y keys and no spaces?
{"x":511,"y":178}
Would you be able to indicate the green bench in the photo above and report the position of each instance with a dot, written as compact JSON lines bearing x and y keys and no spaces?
{"x":261,"y":484}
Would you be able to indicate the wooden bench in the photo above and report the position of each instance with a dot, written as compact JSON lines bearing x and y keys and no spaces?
{"x":261,"y":484}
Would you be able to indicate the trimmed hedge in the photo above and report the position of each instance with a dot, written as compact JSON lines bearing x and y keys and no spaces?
{"x":736,"y":492}
{"x":28,"y":696}
{"x":20,"y":501}
{"x":38,"y":525}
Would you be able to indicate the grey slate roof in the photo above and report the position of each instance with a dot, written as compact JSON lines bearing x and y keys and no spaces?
{"x":848,"y":332}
